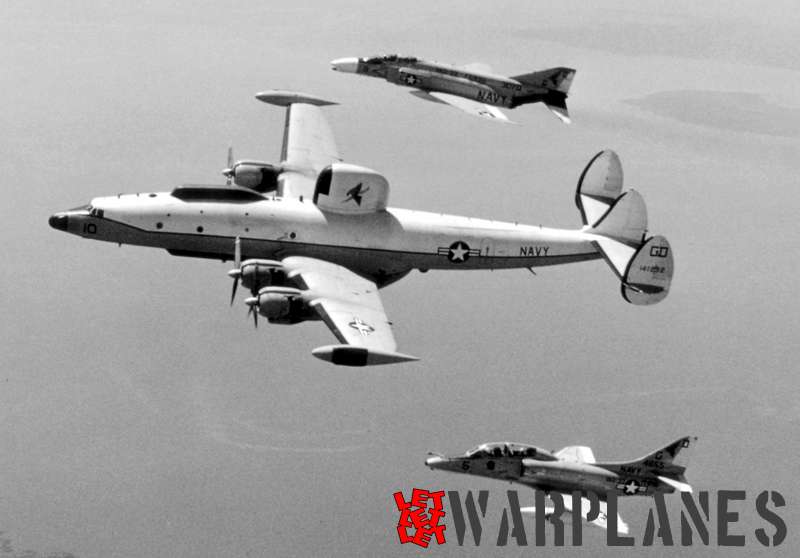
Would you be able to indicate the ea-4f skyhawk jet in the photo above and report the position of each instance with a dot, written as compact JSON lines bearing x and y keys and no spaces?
{"x":313,"y":238}
{"x":472,"y":88}
{"x":574,"y":468}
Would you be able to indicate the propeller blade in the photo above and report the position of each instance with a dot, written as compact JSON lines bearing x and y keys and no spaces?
{"x":237,"y":252}
{"x":233,"y":291}
{"x":237,"y":272}
{"x":255,"y":315}
{"x":228,"y":172}
{"x":252,"y":302}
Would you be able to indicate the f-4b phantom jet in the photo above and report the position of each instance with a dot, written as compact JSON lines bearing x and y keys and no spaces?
{"x":574,"y":468}
{"x":472,"y":88}
{"x":313,"y":238}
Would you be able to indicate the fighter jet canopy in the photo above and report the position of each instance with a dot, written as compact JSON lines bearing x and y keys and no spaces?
{"x":391,"y":58}
{"x":510,"y":449}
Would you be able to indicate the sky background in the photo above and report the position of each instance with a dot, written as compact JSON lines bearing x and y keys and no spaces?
{"x":140,"y":415}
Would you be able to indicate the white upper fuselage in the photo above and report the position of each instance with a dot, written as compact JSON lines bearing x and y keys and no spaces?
{"x":382,"y":244}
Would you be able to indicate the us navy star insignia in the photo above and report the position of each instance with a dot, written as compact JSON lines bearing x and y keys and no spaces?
{"x":458,"y":252}
{"x":630,"y":487}
{"x":363,"y":327}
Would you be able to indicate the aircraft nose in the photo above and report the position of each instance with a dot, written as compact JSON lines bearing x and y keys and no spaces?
{"x":435,"y":461}
{"x":59,"y":221}
{"x":349,"y":64}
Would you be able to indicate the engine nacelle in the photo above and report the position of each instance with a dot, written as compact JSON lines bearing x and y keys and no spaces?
{"x":256,"y":274}
{"x":258,"y":176}
{"x":351,"y":189}
{"x":284,"y":305}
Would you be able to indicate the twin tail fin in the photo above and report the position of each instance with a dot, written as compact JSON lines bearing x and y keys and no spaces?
{"x":616,"y":223}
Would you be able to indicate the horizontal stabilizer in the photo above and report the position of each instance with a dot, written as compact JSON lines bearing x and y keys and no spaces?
{"x":348,"y":355}
{"x":559,"y":108}
{"x":677,"y":485}
{"x":599,"y":186}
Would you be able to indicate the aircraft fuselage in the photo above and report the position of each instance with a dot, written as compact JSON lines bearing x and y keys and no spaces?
{"x":486,"y":88}
{"x":383,"y":246}
{"x":553,"y":475}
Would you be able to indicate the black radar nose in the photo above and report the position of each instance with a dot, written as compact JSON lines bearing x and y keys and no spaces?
{"x":58,"y":222}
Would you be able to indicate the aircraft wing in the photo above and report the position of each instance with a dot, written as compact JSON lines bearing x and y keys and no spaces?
{"x":351,"y":307}
{"x":467,"y":105}
{"x":308,"y":142}
{"x":601,"y":520}
{"x":478,"y":67}
{"x":576,"y":454}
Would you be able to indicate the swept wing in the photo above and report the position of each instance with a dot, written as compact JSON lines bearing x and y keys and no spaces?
{"x":351,"y":307}
{"x":601,"y":520}
{"x":467,"y":105}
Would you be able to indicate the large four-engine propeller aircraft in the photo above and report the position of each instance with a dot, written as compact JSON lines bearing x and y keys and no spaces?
{"x":472,"y":88}
{"x":574,"y":468}
{"x":313,"y":238}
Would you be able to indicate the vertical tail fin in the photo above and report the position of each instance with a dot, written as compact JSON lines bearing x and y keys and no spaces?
{"x":675,"y":455}
{"x":616,"y":223}
{"x":556,"y":79}
{"x":556,"y":83}
{"x":667,"y":464}
{"x":599,"y":185}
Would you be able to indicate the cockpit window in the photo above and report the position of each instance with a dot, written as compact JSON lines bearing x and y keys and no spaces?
{"x":390,"y":58}
{"x":95,"y":212}
{"x":510,"y":449}
{"x":476,"y":452}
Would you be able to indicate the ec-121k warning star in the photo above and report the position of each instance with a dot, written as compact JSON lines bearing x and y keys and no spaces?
{"x":472,"y":88}
{"x":313,"y":238}
{"x":574,"y":468}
